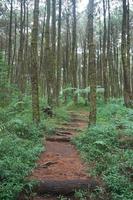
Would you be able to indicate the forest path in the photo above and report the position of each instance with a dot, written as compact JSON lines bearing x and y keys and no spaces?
{"x":60,"y":169}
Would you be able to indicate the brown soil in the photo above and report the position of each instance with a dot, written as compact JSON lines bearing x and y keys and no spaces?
{"x":61,"y":161}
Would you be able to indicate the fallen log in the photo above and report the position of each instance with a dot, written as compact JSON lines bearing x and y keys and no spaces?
{"x":54,"y":187}
{"x":64,"y":187}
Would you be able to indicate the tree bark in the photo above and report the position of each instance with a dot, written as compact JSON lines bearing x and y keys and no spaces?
{"x":49,"y":75}
{"x":10,"y":35}
{"x":74,"y":53}
{"x":59,"y":54}
{"x":92,"y":64}
{"x":128,"y":96}
{"x":104,"y":55}
{"x":34,"y":65}
{"x":21,"y":67}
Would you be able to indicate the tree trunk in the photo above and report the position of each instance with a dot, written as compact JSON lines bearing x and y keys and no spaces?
{"x":34,"y":64}
{"x":74,"y":52}
{"x":66,"y":72}
{"x":59,"y":54}
{"x":21,"y":67}
{"x":10,"y":36}
{"x":84,"y":70}
{"x":42,"y":46}
{"x":48,"y":63}
{"x":92,"y":64}
{"x":104,"y":55}
{"x":128,"y":96}
{"x":53,"y":58}
{"x":14,"y":52}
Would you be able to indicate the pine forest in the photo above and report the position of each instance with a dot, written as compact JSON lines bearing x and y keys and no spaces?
{"x":66,"y":99}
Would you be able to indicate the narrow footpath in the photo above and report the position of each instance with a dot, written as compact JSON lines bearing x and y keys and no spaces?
{"x":60,"y":170}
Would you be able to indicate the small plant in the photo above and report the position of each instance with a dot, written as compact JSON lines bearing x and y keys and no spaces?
{"x":62,"y":198}
{"x":81,"y":195}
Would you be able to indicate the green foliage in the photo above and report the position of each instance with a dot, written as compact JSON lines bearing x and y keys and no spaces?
{"x":83,"y":90}
{"x":108,"y":147}
{"x":17,"y":159}
{"x":21,"y":141}
{"x":81,"y":105}
{"x":61,"y":114}
{"x":62,"y":198}
{"x":81,"y":194}
{"x":20,"y":145}
{"x":82,"y":94}
{"x":4,"y":86}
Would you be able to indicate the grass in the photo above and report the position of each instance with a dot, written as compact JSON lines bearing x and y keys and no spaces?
{"x":108,"y":147}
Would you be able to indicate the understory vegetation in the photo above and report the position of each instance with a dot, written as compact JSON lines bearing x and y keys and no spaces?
{"x":21,"y":142}
{"x":108,"y":149}
{"x":106,"y":146}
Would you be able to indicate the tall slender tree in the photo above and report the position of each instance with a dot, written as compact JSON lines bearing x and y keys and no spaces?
{"x":74,"y":51}
{"x":34,"y":64}
{"x":128,"y":96}
{"x":92,"y":64}
{"x":59,"y":54}
{"x":10,"y":36}
{"x":20,"y":66}
{"x":49,"y":72}
{"x":105,"y":54}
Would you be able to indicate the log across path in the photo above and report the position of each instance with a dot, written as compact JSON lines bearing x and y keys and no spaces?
{"x":60,"y":170}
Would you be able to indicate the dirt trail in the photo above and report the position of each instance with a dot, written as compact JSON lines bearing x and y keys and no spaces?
{"x":61,"y":161}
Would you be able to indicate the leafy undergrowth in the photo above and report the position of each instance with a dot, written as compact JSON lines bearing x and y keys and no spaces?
{"x":108,"y":147}
{"x":80,"y":106}
{"x":21,"y":143}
